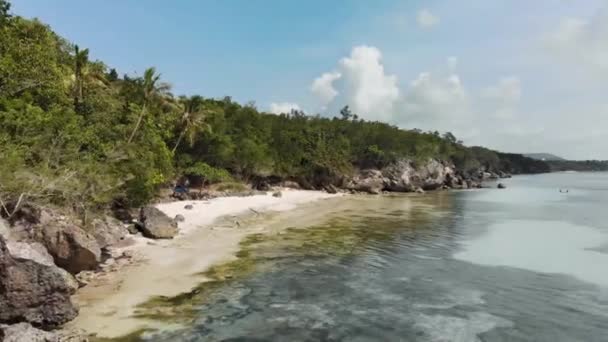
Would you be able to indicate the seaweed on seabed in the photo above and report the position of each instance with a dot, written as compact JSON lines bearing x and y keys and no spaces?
{"x":136,"y":336}
{"x":184,"y":308}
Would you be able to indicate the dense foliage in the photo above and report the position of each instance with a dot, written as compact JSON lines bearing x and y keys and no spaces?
{"x":75,"y":133}
{"x":582,"y":165}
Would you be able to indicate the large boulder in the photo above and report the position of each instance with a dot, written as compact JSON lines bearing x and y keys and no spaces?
{"x":156,"y":225}
{"x":34,"y":292}
{"x":22,"y":332}
{"x":108,"y":231}
{"x":370,"y":181}
{"x":72,"y":248}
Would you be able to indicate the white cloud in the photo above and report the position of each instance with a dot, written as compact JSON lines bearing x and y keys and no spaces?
{"x":323,"y":87}
{"x":370,"y":91}
{"x":426,"y":19}
{"x":508,"y":90}
{"x":582,"y":41}
{"x":283,"y":107}
{"x":435,"y":102}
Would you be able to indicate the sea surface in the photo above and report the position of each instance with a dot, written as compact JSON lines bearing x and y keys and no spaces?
{"x":527,"y":263}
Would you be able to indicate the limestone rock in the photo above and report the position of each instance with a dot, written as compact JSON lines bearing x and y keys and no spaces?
{"x":108,"y":231}
{"x":179,"y":218}
{"x":370,"y":181}
{"x":34,"y":292}
{"x":72,"y":248}
{"x":501,"y":186}
{"x":22,"y":332}
{"x":157,"y":225}
{"x":277,"y":194}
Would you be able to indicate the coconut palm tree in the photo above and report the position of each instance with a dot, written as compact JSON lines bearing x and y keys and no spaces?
{"x":153,"y":89}
{"x":81,"y":59}
{"x":193,"y":118}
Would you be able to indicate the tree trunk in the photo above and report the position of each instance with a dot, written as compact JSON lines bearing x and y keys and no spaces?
{"x":141,"y":116}
{"x":179,"y":139}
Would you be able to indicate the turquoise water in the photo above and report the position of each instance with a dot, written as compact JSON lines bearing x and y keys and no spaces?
{"x":527,"y":263}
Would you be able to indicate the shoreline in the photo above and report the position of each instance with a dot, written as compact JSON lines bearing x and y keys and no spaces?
{"x":209,"y":235}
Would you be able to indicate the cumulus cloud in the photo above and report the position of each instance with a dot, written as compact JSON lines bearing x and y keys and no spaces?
{"x":426,"y":19}
{"x":583,"y":41}
{"x":283,"y":107}
{"x":370,"y":89}
{"x":323,"y":87}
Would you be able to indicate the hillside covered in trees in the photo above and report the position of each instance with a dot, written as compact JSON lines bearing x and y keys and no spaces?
{"x":76,"y":133}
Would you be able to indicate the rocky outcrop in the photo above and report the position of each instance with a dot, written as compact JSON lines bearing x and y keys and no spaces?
{"x":108,"y":231}
{"x":406,"y":176}
{"x":156,"y":225}
{"x":370,"y":181}
{"x":34,"y":290}
{"x":72,"y":248}
{"x":26,"y":332}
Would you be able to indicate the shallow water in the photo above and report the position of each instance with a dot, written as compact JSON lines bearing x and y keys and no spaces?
{"x":523,"y":264}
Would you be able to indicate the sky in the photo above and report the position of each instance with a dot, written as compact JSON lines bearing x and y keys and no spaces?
{"x":513,"y":75}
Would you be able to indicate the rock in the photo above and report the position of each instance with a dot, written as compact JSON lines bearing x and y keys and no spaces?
{"x":34,"y":292}
{"x":157,"y":225}
{"x":263,"y":186}
{"x":22,"y":332}
{"x":134,"y":228}
{"x":108,"y":231}
{"x":72,"y":248}
{"x":277,"y":194}
{"x":179,"y":218}
{"x":419,"y":190}
{"x":5,"y":231}
{"x":370,"y":181}
{"x":34,"y":251}
{"x":401,"y":176}
{"x":188,"y":207}
{"x":331,"y":189}
{"x":291,"y":185}
{"x":122,"y":214}
{"x":501,"y":186}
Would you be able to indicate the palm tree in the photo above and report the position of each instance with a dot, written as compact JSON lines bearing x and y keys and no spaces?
{"x":193,"y":119}
{"x":152,"y":89}
{"x":81,"y":58}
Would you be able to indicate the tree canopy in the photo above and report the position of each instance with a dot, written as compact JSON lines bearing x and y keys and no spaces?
{"x":74,"y":132}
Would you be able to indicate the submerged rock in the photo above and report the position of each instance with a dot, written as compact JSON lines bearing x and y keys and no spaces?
{"x":34,"y":292}
{"x":501,"y":186}
{"x":157,"y":225}
{"x":72,"y":248}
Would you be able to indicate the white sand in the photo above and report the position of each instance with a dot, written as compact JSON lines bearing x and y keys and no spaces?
{"x":171,"y":267}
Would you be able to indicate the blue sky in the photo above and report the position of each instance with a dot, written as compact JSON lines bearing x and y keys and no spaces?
{"x":523,"y":76}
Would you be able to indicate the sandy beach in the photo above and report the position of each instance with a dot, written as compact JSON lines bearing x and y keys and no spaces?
{"x":210,"y":234}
